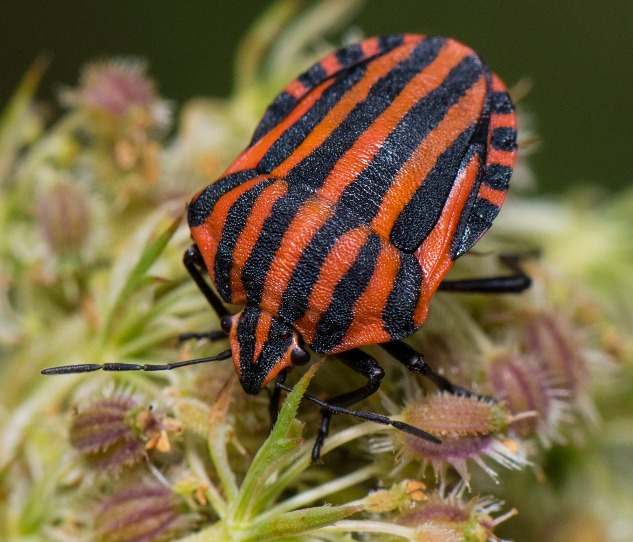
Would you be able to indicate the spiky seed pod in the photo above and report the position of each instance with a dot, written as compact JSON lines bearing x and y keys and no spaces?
{"x":118,"y":88}
{"x":559,"y":346}
{"x":469,"y":428}
{"x":139,"y":514}
{"x":63,"y":218}
{"x":110,"y":433}
{"x":520,"y":381}
{"x":450,"y":519}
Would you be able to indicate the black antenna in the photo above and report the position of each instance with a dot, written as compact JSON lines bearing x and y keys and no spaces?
{"x":90,"y":367}
{"x":377,"y":418}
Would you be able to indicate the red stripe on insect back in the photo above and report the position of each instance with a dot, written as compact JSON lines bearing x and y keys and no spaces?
{"x":368,"y":326}
{"x":493,"y":196}
{"x":208,"y":235}
{"x":503,"y":158}
{"x":376,"y":69}
{"x":330,"y":65}
{"x":497,"y":84}
{"x":433,"y":253}
{"x":336,"y":264}
{"x":296,"y":89}
{"x":312,"y":215}
{"x":415,"y":170}
{"x":249,"y":235}
{"x":370,"y":47}
{"x":252,"y":156}
{"x":369,"y":142}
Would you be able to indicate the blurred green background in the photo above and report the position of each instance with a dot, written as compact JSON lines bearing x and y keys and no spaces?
{"x":579,"y":56}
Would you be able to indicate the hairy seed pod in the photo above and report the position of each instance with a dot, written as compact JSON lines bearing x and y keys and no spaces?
{"x":521,"y":382}
{"x":469,"y":428}
{"x":450,"y":519}
{"x":139,"y":514}
{"x":64,"y":219}
{"x":109,"y":432}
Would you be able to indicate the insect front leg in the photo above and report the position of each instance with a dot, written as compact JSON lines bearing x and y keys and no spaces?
{"x":364,"y":364}
{"x":194,"y":263}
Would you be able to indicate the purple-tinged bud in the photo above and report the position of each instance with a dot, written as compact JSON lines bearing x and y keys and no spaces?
{"x":522,"y":384}
{"x":450,"y":519}
{"x":117,"y":88}
{"x":469,"y":427}
{"x":560,"y":348}
{"x":64,"y":219}
{"x":114,"y":432}
{"x":140,"y":514}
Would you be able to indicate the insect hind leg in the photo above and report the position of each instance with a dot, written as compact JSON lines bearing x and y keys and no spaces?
{"x":414,"y":361}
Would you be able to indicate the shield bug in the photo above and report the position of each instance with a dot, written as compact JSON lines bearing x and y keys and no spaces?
{"x":367,"y":177}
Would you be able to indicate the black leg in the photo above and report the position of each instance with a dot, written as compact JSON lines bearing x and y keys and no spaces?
{"x":194,"y":262}
{"x":361,"y":363}
{"x":208,"y":335}
{"x":275,"y":398}
{"x":414,"y":361}
{"x":510,"y":284}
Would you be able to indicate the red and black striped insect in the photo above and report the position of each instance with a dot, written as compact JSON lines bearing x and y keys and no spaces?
{"x":367,"y":177}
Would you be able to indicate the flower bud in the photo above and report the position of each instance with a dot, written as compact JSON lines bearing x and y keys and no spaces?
{"x":139,"y":514}
{"x":521,"y":382}
{"x":450,"y":519}
{"x":114,"y":432}
{"x":64,"y":219}
{"x":469,"y":427}
{"x":559,"y":347}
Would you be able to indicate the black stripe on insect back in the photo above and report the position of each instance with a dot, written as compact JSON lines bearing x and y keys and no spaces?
{"x":235,"y":221}
{"x":500,"y":103}
{"x":200,"y":209}
{"x":497,"y":176}
{"x":349,"y":55}
{"x":367,"y":191}
{"x":315,"y":168}
{"x":334,"y":324}
{"x":276,"y":112}
{"x":285,"y":145}
{"x":504,"y":139}
{"x":388,"y":43}
{"x":294,"y":301}
{"x":421,"y":213}
{"x":273,"y":230}
{"x":480,"y":218}
{"x":403,"y":298}
{"x":254,"y":371}
{"x":246,"y":327}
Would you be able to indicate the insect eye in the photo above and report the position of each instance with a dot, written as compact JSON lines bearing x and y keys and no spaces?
{"x":225,"y":323}
{"x":285,"y":334}
{"x":299,"y":356}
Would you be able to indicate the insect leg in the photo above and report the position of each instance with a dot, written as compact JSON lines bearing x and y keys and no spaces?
{"x":361,"y":363}
{"x":194,"y":262}
{"x":208,"y":335}
{"x":509,"y":284}
{"x":414,"y":361}
{"x":275,"y":398}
